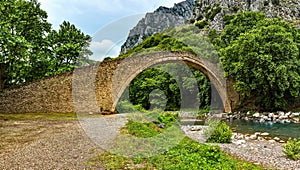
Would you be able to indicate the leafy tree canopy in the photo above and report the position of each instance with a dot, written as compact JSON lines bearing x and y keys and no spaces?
{"x":262,"y":56}
{"x":30,"y":49}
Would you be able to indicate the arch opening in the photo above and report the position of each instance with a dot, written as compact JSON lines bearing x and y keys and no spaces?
{"x":140,"y":63}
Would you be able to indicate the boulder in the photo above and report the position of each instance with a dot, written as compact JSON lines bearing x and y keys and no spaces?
{"x":288,"y":114}
{"x":256,"y":115}
{"x":260,"y":138}
{"x":280,"y":113}
{"x":270,"y":115}
{"x":253,"y":137}
{"x":262,"y":120}
{"x":283,"y":117}
{"x":277,"y":139}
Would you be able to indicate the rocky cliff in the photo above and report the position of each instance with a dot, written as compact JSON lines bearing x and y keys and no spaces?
{"x":158,"y":21}
{"x":208,"y":13}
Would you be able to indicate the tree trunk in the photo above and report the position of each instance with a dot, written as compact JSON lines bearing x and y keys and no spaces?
{"x":2,"y":75}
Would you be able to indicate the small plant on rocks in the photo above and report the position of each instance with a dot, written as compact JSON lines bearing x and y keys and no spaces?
{"x":292,"y":149}
{"x":217,"y":132}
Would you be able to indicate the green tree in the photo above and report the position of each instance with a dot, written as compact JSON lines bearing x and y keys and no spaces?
{"x":23,"y":28}
{"x":263,"y":60}
{"x":30,"y":50}
{"x":154,"y":79}
{"x":69,"y":48}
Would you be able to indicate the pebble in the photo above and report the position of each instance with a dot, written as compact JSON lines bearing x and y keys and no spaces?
{"x":277,"y":138}
{"x":253,"y":137}
{"x":265,"y":134}
{"x":267,"y":153}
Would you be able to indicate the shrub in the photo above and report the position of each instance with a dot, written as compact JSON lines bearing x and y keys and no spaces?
{"x":292,"y":149}
{"x":201,"y":24}
{"x":192,"y":21}
{"x":217,"y":132}
{"x":127,"y":107}
{"x":199,"y":17}
{"x":168,"y":118}
{"x":142,"y":130}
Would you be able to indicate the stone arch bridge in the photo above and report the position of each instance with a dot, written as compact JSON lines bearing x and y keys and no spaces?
{"x":100,"y":86}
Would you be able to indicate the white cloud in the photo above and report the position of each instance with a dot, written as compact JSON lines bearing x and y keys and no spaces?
{"x":108,"y":21}
{"x":91,"y":15}
{"x":104,"y":48}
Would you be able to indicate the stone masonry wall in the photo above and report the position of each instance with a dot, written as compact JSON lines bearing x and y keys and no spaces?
{"x":58,"y":93}
{"x":98,"y":86}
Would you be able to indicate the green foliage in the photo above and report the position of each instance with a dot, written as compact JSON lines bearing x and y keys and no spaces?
{"x":199,"y":17}
{"x":266,"y":2}
{"x":148,"y":81}
{"x":192,"y":21}
{"x":69,"y":47}
{"x":239,"y":24}
{"x":276,"y":2}
{"x":217,"y":132}
{"x":201,"y":24}
{"x":127,"y":107}
{"x":29,"y":48}
{"x":157,"y":42}
{"x":262,"y":55}
{"x":143,"y":130}
{"x":292,"y":149}
{"x":188,"y":154}
{"x":155,"y":88}
{"x":168,"y":118}
{"x":210,"y":15}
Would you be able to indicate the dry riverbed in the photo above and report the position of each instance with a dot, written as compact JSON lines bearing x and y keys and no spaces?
{"x":39,"y":143}
{"x":60,"y":143}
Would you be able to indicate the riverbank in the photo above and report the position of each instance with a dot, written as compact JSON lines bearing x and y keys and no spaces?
{"x":255,"y":148}
{"x":283,"y":117}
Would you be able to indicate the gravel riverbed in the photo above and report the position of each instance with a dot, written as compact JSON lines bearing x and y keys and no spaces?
{"x":65,"y":145}
{"x":61,"y":145}
{"x":267,"y":153}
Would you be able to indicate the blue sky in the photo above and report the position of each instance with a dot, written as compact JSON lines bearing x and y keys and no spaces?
{"x":107,"y":21}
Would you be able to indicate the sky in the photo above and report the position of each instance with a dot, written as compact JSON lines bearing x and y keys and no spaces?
{"x":107,"y":21}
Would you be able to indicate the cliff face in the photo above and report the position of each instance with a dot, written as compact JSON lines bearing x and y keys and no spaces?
{"x":207,"y":13}
{"x":158,"y":21}
{"x":213,"y":11}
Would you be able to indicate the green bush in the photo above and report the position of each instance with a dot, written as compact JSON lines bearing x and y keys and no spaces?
{"x":201,"y":24}
{"x":192,"y":21}
{"x":142,"y":130}
{"x":168,"y":118}
{"x":292,"y":149}
{"x":217,"y":132}
{"x":127,"y":107}
{"x":188,"y":154}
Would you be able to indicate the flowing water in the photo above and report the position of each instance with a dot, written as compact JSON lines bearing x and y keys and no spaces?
{"x":283,"y":130}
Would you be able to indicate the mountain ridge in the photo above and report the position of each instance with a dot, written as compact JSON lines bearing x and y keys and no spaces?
{"x":207,"y":14}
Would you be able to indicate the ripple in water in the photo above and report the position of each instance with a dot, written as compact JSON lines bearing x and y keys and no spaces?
{"x":283,"y":129}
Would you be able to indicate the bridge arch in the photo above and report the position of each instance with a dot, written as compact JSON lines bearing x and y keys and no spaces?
{"x":131,"y":67}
